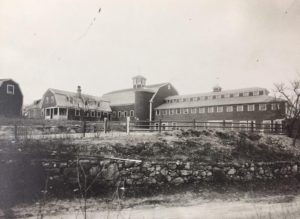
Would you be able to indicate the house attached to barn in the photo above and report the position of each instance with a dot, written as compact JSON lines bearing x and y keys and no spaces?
{"x":65,"y":105}
{"x":139,"y":101}
{"x":11,"y":98}
{"x":240,"y":106}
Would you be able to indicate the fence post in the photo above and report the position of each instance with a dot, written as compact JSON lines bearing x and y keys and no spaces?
{"x":105,"y":125}
{"x":194,"y":124}
{"x":224,"y":124}
{"x":84,"y":128}
{"x":252,"y":126}
{"x":159,"y":127}
{"x":128,"y":125}
{"x":16,"y":132}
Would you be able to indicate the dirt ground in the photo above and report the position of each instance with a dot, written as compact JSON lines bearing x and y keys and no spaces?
{"x":187,"y":205}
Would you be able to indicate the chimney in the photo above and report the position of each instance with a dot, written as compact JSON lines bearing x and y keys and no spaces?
{"x":79,"y":91}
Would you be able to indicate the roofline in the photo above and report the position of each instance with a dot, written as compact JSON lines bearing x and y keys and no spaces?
{"x":223,"y":104}
{"x":211,"y":92}
{"x":152,"y":98}
{"x":9,"y":79}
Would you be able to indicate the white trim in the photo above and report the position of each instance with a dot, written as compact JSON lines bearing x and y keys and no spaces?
{"x":10,"y":86}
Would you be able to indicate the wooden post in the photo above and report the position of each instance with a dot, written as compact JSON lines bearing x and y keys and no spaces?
{"x":84,"y":128}
{"x":128,"y":125}
{"x":252,"y":126}
{"x":159,"y":126}
{"x":105,"y":125}
{"x":194,"y":124}
{"x":16,"y":132}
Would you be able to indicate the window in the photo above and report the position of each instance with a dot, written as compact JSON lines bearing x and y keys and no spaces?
{"x":52,"y":99}
{"x":255,"y":93}
{"x":191,"y":99}
{"x":236,"y":95}
{"x":201,"y":110}
{"x":220,"y":109}
{"x":185,"y":111}
{"x":47,"y":99}
{"x":47,"y":112}
{"x":165,"y":112}
{"x":240,"y":108}
{"x":210,"y":109}
{"x":10,"y":89}
{"x":99,"y":114}
{"x":184,"y":100}
{"x":246,"y":94}
{"x":262,"y":107}
{"x":198,"y":98}
{"x":125,"y":113}
{"x":92,"y":113}
{"x":209,"y":97}
{"x":275,"y":106}
{"x":218,"y":97}
{"x":62,"y":111}
{"x":193,"y":110}
{"x":157,"y":112}
{"x":178,"y":111}
{"x":251,"y":107}
{"x":55,"y":111}
{"x":77,"y":112}
{"x":71,"y":100}
{"x":229,"y":109}
{"x":132,"y":113}
{"x":119,"y":114}
{"x":171,"y":112}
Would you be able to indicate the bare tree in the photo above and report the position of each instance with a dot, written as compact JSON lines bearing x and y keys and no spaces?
{"x":291,"y":94}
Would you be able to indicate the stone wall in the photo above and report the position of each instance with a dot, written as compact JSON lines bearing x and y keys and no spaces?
{"x":143,"y":174}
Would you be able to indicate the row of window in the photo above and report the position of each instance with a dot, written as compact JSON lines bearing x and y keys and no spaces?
{"x":219,"y":96}
{"x":123,"y":114}
{"x":218,"y":109}
{"x":89,"y":113}
{"x":63,"y":112}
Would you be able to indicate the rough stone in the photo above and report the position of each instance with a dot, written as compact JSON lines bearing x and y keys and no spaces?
{"x":178,"y":181}
{"x":186,"y":172}
{"x":295,"y":168}
{"x":232,"y":171}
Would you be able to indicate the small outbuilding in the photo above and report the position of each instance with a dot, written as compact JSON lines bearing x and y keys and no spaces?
{"x":11,"y":98}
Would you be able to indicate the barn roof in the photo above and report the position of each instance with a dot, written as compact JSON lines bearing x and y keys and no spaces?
{"x":71,"y":99}
{"x":232,"y":91}
{"x":9,"y":79}
{"x":219,"y":102}
{"x":127,"y":96}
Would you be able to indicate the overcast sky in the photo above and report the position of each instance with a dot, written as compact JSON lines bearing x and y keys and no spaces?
{"x":191,"y":43}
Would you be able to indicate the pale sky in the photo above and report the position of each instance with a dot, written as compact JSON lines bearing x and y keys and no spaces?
{"x":64,"y":43}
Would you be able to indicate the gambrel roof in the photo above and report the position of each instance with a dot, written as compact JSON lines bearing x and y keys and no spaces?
{"x":73,"y":100}
{"x":220,"y":101}
{"x":127,"y":96}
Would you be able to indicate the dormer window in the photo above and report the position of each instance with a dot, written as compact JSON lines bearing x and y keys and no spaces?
{"x":255,"y":93}
{"x":10,"y":89}
{"x":246,"y":94}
